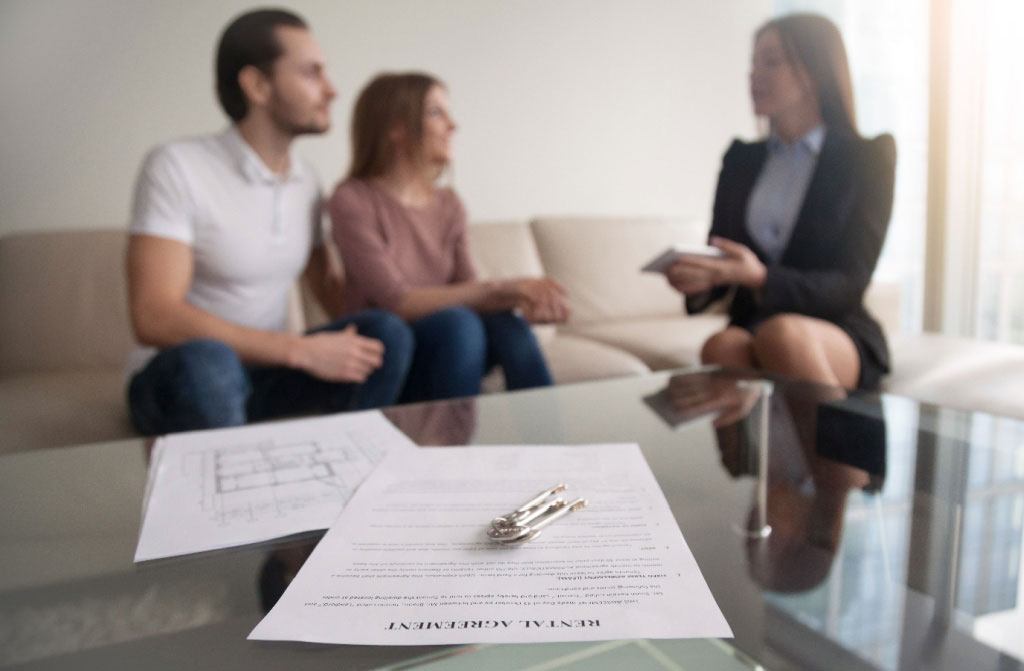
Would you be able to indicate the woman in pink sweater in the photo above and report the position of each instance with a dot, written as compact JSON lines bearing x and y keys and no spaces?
{"x":403,"y":241}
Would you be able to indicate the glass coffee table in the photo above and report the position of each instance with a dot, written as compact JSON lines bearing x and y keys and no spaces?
{"x":895,"y":542}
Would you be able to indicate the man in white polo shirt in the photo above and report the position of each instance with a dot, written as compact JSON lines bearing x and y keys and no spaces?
{"x":222,"y":226}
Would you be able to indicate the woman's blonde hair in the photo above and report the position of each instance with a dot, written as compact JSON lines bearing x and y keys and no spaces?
{"x":391,"y":100}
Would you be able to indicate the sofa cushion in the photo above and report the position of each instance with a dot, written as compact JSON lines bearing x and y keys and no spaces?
{"x":963,"y":373}
{"x":68,"y":408}
{"x":660,"y":342}
{"x":599,"y":259}
{"x":504,"y":249}
{"x":507,"y":249}
{"x":63,"y":301}
{"x":576,"y":359}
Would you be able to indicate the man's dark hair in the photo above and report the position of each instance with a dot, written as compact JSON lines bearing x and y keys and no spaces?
{"x":248,"y":40}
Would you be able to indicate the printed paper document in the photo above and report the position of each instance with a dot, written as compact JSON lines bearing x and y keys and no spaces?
{"x":408,"y":562}
{"x":228,"y":487}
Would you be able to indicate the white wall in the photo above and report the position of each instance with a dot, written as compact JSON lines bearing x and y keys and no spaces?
{"x":565,"y":106}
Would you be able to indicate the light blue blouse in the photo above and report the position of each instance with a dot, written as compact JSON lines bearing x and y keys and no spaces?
{"x":779,"y":192}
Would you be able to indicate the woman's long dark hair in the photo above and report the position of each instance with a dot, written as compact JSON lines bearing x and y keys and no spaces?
{"x":814,"y":42}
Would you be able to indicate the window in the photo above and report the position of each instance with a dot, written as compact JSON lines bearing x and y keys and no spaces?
{"x":986,"y":38}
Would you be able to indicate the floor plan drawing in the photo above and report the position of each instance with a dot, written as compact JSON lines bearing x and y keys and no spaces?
{"x":245,"y":482}
{"x":213,"y":489}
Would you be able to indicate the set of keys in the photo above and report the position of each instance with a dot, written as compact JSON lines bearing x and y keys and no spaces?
{"x":524,"y":523}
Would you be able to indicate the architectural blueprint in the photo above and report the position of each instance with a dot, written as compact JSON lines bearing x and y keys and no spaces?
{"x":216,"y":489}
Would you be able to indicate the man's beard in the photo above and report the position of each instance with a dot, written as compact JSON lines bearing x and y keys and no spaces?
{"x":287,"y":122}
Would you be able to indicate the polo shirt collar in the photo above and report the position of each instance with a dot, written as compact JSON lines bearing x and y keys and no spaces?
{"x":252,"y":166}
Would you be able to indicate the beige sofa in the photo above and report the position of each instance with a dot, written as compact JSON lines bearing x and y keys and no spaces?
{"x":64,"y":329}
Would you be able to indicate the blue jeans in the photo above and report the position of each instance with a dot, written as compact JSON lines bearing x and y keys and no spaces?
{"x":202,"y":384}
{"x":455,"y":347}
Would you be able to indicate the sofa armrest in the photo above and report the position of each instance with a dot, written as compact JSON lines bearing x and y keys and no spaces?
{"x":63,"y":301}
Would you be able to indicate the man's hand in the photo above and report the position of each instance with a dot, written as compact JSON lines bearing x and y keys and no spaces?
{"x":339,"y":356}
{"x":696,"y":274}
{"x":542,"y":300}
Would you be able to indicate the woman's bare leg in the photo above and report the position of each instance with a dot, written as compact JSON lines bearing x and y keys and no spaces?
{"x":731,"y":347}
{"x":808,"y":349}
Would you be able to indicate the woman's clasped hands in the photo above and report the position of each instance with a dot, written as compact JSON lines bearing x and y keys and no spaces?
{"x":541,"y":300}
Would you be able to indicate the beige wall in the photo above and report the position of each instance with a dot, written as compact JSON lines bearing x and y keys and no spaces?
{"x":565,"y":106}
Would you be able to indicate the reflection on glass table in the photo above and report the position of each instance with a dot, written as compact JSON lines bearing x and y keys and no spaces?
{"x":896,"y":529}
{"x":703,"y":654}
{"x":904,"y":556}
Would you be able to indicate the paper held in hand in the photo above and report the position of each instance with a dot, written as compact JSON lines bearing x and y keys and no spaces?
{"x":662,"y":262}
{"x":409,"y":561}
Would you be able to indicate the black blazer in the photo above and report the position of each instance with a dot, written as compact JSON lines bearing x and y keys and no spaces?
{"x":835,"y":244}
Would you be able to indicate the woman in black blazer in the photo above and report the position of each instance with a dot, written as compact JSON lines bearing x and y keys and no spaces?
{"x":800,"y":219}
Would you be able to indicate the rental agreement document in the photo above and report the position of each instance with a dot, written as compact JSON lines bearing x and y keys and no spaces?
{"x":226,"y":487}
{"x":408,"y":562}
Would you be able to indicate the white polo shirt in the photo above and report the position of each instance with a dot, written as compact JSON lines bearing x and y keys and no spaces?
{"x":251,"y":231}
